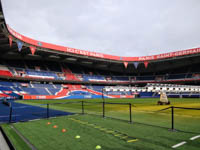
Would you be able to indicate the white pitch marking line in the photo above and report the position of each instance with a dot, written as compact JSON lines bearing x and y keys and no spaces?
{"x":195,"y":137}
{"x":8,"y":116}
{"x":179,"y":144}
{"x":34,"y":119}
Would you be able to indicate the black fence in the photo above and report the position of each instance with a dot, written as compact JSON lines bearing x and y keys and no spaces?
{"x":29,"y":112}
{"x":102,"y":109}
{"x":183,"y":126}
{"x":170,"y":117}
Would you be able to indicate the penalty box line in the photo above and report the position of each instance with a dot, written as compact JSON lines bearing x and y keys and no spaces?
{"x":118,"y":134}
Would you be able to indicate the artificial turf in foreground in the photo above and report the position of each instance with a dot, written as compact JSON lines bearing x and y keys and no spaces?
{"x":149,"y":130}
{"x":144,"y":111}
{"x":43,"y":136}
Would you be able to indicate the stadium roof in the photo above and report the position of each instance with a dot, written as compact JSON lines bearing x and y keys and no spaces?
{"x":99,"y":60}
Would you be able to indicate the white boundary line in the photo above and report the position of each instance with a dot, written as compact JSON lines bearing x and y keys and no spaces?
{"x":34,"y":119}
{"x":195,"y":137}
{"x":8,"y":116}
{"x":179,"y":144}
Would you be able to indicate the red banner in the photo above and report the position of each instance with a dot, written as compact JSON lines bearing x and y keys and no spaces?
{"x":33,"y":49}
{"x":126,"y":64}
{"x":10,"y":40}
{"x":146,"y":64}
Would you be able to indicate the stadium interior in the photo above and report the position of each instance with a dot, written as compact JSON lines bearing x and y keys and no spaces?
{"x":37,"y":78}
{"x":35,"y":70}
{"x":49,"y":73}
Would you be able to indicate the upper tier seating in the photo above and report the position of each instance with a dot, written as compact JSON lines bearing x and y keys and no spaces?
{"x":41,"y":74}
{"x":72,"y":72}
{"x":142,"y":78}
{"x":4,"y":71}
{"x":176,"y":76}
{"x":115,"y":78}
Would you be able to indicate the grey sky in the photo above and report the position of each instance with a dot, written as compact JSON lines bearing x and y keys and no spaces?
{"x":117,"y":27}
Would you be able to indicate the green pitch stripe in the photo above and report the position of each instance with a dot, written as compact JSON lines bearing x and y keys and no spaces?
{"x":118,"y":134}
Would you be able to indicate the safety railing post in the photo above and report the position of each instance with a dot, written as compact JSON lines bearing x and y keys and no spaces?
{"x":130,"y":111}
{"x":103,"y":109}
{"x":10,"y":116}
{"x":172,"y":127}
{"x":82,"y":102}
{"x":172,"y":119}
{"x":47,"y":110}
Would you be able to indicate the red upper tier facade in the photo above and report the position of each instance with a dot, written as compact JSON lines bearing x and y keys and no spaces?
{"x":63,"y":49}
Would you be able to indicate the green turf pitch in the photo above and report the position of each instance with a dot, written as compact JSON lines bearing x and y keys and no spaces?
{"x":149,"y":127}
{"x":143,"y":111}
